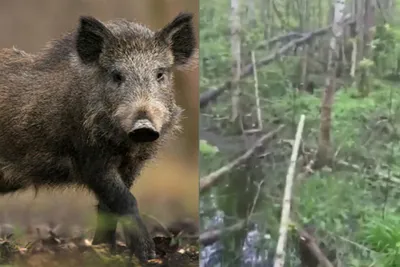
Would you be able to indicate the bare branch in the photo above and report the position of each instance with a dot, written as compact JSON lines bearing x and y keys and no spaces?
{"x":355,"y":167}
{"x":211,"y":236}
{"x":281,"y":38}
{"x":211,"y":94}
{"x":309,"y":241}
{"x":287,"y":198}
{"x":208,"y":181}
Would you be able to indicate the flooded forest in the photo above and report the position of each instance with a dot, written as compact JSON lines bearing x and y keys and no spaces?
{"x":299,"y":133}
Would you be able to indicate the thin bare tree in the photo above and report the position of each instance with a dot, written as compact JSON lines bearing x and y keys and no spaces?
{"x":324,"y":152}
{"x":235,"y":47}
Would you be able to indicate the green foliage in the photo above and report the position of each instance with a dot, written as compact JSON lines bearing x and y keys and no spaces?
{"x":386,"y":49}
{"x":343,"y":208}
{"x":215,"y":58}
{"x":383,"y":236}
{"x":332,"y":202}
{"x":207,"y":149}
{"x":366,"y":63}
{"x":346,"y":205}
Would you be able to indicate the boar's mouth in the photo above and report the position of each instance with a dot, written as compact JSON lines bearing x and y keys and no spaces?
{"x":143,"y":131}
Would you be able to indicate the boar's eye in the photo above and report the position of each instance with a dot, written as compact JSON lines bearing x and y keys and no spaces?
{"x":160,"y":75}
{"x":117,"y":77}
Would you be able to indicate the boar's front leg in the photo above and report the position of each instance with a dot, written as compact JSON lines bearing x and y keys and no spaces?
{"x":106,"y":226}
{"x":105,"y":232}
{"x":112,"y":192}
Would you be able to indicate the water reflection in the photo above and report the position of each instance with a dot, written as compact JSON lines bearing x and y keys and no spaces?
{"x":254,"y":253}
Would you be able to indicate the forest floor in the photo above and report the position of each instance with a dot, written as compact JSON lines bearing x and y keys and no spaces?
{"x":173,"y":249}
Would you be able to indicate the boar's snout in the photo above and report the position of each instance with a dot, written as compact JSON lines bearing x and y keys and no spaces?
{"x":143,"y":131}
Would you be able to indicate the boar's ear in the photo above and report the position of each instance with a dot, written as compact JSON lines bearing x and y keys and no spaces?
{"x":91,"y":36}
{"x":179,"y":34}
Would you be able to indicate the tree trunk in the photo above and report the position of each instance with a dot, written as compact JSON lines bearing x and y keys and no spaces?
{"x":235,"y":47}
{"x":304,"y":72}
{"x":324,"y":152}
{"x":304,"y":64}
{"x":368,"y":35}
{"x":353,"y":58}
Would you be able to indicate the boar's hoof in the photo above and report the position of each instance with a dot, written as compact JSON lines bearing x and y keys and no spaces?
{"x":143,"y":131}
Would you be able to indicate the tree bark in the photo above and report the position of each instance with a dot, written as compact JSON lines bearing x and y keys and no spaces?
{"x":235,"y":47}
{"x":368,"y":35}
{"x":324,"y":152}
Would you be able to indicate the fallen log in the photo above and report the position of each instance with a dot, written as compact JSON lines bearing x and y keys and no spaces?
{"x":211,"y":94}
{"x":208,"y":181}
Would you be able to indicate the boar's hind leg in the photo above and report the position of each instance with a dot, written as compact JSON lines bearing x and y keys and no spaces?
{"x":106,"y":226}
{"x":112,"y":192}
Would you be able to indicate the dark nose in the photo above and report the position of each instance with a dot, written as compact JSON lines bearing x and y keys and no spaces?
{"x":143,"y":131}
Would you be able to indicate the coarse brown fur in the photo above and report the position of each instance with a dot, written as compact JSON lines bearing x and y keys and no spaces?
{"x":66,"y":112}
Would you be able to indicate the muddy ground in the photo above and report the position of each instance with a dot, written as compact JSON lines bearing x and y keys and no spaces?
{"x":45,"y":246}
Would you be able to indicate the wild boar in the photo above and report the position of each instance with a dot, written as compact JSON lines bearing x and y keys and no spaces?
{"x":90,"y":110}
